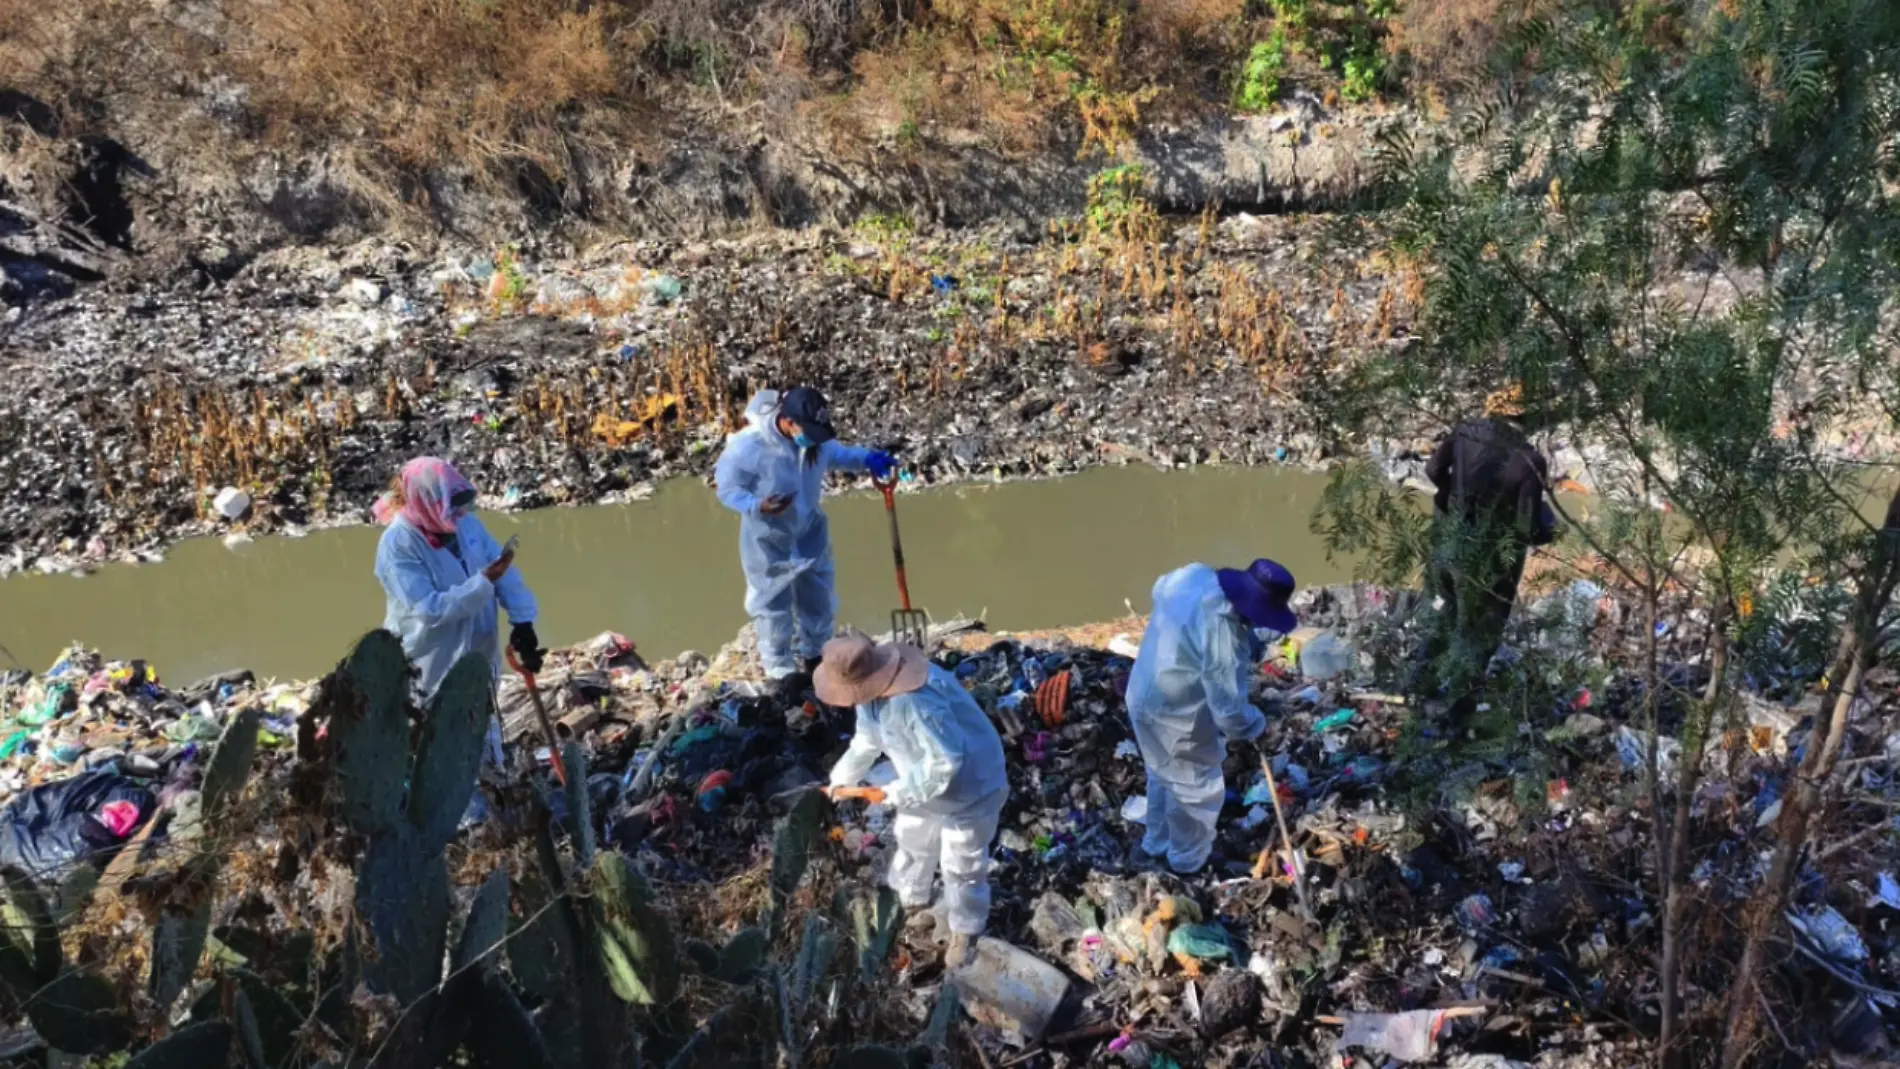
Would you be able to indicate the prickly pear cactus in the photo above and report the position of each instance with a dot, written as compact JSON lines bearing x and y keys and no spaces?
{"x":449,"y":757}
{"x":230,"y":765}
{"x":487,"y":927}
{"x":635,"y":943}
{"x":369,"y":733}
{"x":402,"y":890}
{"x":402,"y":887}
{"x":178,"y":939}
{"x":742,"y":956}
{"x":206,"y":1043}
{"x":78,"y":1013}
{"x":874,"y":1056}
{"x":30,"y":954}
{"x":505,"y":1036}
{"x":791,"y":851}
{"x":580,"y":810}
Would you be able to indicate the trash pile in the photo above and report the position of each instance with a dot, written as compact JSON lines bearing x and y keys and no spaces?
{"x":92,"y":749}
{"x":1376,"y":891}
{"x":288,"y":396}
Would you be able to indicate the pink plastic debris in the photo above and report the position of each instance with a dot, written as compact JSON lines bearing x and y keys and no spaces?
{"x":119,"y":818}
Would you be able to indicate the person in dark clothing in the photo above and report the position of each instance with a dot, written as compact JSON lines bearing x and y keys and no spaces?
{"x":1488,"y":510}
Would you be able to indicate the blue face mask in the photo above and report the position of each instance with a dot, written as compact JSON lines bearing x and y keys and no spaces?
{"x":803,"y":442}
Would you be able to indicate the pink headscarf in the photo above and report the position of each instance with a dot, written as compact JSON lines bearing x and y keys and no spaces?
{"x":429,"y":484}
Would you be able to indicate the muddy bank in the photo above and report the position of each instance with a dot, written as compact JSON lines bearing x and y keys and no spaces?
{"x":305,"y":380}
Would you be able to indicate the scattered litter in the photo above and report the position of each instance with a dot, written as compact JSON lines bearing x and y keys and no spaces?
{"x":1409,"y":1036}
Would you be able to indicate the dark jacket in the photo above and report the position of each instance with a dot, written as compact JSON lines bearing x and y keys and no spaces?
{"x":1487,"y":471}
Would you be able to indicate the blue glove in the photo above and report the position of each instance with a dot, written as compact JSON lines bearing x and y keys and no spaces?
{"x":880,"y":464}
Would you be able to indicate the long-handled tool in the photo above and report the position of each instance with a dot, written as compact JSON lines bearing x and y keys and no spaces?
{"x":907,"y":624}
{"x":541,"y":714}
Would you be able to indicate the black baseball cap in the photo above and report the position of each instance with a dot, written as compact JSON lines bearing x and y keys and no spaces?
{"x":808,"y":408}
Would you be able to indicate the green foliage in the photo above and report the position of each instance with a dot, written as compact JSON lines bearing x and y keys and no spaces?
{"x":178,"y":938}
{"x":1259,"y":85}
{"x":1676,"y":231}
{"x":1361,"y":74}
{"x":1115,"y":197}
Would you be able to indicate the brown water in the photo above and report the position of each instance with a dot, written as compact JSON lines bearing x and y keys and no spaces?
{"x":665,"y":572}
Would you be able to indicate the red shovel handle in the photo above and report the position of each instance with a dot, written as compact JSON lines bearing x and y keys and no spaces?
{"x":886,"y":486}
{"x":540,"y":712}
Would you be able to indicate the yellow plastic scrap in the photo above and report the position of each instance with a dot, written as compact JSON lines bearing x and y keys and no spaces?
{"x":614,"y":432}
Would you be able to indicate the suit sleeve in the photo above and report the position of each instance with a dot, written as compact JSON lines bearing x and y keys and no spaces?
{"x":405,"y":576}
{"x":842,"y":457}
{"x":858,"y":757}
{"x":511,"y":590}
{"x":941,"y":752}
{"x":733,"y":480}
{"x":1221,"y":673}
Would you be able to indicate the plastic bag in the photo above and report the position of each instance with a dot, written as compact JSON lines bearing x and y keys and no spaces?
{"x":44,"y":830}
{"x":1405,"y":1036}
{"x":1207,"y":942}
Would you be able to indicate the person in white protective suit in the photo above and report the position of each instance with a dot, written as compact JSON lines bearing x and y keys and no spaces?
{"x":951,"y":782}
{"x":443,"y":577}
{"x":1187,"y":695}
{"x":772,"y":474}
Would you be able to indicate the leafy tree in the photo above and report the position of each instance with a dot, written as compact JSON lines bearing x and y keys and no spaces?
{"x":1672,"y":224}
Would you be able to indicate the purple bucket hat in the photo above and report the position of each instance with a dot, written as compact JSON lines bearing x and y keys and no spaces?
{"x":1260,"y":594}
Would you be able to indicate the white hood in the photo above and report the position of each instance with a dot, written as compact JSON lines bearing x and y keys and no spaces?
{"x":760,"y":410}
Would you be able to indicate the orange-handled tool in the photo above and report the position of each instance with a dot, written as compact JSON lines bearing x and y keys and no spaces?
{"x":541,"y":714}
{"x":873,"y":795}
{"x":907,"y":624}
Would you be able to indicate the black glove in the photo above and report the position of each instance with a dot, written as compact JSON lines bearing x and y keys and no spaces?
{"x":527,"y":646}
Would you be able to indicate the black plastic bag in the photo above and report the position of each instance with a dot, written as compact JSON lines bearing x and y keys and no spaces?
{"x":45,"y":829}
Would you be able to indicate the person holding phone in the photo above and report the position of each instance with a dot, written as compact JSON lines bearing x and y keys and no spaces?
{"x":772,"y":474}
{"x":444,"y":576}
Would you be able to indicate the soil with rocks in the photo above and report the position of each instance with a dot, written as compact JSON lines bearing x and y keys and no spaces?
{"x":308,"y":378}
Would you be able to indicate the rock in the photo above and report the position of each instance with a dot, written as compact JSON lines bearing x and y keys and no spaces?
{"x":1232,"y":1001}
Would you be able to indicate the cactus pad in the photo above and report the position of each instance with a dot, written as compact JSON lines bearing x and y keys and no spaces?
{"x":207,"y":1043}
{"x":450,"y":753}
{"x":367,"y":701}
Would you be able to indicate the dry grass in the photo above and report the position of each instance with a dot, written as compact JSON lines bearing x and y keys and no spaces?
{"x":427,"y":80}
{"x":406,"y":93}
{"x":1445,"y":42}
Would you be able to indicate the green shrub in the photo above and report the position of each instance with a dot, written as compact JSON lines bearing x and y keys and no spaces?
{"x":1260,"y":76}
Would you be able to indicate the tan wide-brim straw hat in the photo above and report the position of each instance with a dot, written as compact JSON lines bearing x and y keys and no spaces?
{"x":856,"y":670}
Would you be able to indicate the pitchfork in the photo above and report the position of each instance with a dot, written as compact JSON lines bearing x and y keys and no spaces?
{"x":907,"y":624}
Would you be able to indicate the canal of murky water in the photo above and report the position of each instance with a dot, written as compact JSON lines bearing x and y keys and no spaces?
{"x":665,"y":571}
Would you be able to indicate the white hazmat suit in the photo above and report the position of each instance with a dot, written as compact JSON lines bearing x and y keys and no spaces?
{"x":790,"y":592}
{"x":1187,"y":697}
{"x":949,"y":793}
{"x":440,"y":604}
